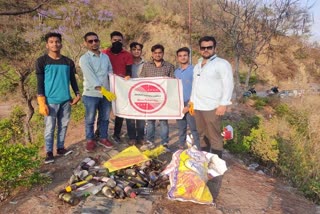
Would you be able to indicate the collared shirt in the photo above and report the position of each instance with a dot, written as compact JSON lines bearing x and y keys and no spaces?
{"x":150,"y":69}
{"x":119,"y":61}
{"x":95,"y":70}
{"x":186,"y":76}
{"x":137,"y":68}
{"x":212,"y":84}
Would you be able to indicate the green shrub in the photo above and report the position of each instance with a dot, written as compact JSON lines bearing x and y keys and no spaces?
{"x":19,"y":162}
{"x":241,"y":129}
{"x":260,"y":102}
{"x":262,"y":145}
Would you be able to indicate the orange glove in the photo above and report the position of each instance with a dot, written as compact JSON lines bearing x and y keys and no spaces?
{"x":191,"y":108}
{"x":75,"y":100}
{"x":43,"y":108}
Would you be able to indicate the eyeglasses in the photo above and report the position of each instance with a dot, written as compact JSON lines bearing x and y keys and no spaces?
{"x":209,"y":48}
{"x":93,"y":40}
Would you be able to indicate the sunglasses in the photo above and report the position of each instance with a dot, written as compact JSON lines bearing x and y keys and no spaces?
{"x":202,"y":48}
{"x":93,"y":40}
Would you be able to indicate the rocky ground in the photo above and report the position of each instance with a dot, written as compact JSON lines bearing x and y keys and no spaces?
{"x":242,"y":191}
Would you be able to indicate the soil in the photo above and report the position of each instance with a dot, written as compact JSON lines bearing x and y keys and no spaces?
{"x":242,"y":190}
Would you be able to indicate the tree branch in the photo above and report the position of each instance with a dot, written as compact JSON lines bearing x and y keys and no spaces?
{"x":20,"y":12}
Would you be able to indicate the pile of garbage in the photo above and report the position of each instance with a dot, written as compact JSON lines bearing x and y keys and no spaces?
{"x":90,"y":179}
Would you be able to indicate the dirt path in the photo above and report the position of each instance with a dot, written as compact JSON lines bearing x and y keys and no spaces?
{"x":242,"y":191}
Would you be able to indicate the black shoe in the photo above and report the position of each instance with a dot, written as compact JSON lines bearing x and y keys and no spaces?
{"x":116,"y":139}
{"x":49,"y":158}
{"x":64,"y":151}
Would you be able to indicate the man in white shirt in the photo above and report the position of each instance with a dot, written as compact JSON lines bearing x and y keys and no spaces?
{"x":211,"y":93}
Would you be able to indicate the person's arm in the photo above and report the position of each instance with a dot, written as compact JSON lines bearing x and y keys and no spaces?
{"x":42,"y":102}
{"x":225,"y":71}
{"x":40,"y":76}
{"x":171,"y":71}
{"x":74,"y":85}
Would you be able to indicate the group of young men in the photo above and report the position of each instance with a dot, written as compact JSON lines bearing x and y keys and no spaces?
{"x":207,"y":90}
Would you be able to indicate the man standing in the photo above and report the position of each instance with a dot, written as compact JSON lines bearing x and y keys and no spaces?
{"x":136,"y":127}
{"x":96,"y":98}
{"x":158,"y":67}
{"x":211,"y":93}
{"x":121,"y":61}
{"x":185,"y":73}
{"x":55,"y":73}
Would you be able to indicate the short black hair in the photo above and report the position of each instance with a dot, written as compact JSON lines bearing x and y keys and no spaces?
{"x":207,"y":39}
{"x":134,"y":44}
{"x":90,"y":34}
{"x":52,"y":34}
{"x":183,"y":49}
{"x":157,"y":46}
{"x":116,"y":33}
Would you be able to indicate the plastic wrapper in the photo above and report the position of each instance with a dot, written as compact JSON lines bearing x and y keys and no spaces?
{"x":188,"y":174}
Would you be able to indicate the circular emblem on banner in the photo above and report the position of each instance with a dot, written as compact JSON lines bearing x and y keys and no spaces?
{"x":147,"y":97}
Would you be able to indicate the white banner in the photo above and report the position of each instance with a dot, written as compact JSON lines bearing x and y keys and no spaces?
{"x":147,"y":98}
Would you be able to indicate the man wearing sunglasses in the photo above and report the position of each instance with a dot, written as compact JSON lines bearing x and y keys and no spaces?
{"x":96,"y":66}
{"x":211,"y":93}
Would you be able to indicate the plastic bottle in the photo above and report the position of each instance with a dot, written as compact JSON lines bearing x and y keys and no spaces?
{"x":108,"y":192}
{"x":89,"y":191}
{"x":108,"y":181}
{"x":130,"y":172}
{"x":87,"y":165}
{"x":119,"y":191}
{"x":75,"y":186}
{"x":69,"y":198}
{"x":129,"y":192}
{"x":143,"y":191}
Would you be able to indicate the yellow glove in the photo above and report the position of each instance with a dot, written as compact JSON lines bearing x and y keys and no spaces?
{"x":191,"y":108}
{"x":43,"y":108}
{"x":107,"y":94}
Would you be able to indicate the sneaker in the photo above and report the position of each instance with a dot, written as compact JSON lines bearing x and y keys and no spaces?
{"x":63,"y":151}
{"x":165,"y":145}
{"x":141,"y":142}
{"x":132,"y":142}
{"x":49,"y":158}
{"x":115,"y":139}
{"x":147,"y":145}
{"x":105,"y":143}
{"x":91,"y":145}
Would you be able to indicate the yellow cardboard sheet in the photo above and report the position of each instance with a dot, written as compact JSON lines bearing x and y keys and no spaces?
{"x":128,"y":157}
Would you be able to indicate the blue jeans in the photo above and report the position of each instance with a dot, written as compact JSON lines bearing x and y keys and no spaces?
{"x":59,"y":114}
{"x":164,"y":131}
{"x":92,"y":106}
{"x":182,"y":125}
{"x":135,"y":129}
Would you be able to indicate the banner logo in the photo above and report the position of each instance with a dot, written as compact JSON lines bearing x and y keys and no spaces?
{"x":147,"y":97}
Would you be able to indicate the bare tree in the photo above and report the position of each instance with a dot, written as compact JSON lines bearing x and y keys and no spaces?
{"x":14,"y":8}
{"x":250,"y":26}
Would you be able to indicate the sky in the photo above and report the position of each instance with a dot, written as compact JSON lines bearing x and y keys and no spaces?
{"x":315,"y":11}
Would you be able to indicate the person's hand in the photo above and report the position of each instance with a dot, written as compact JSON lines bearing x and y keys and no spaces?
{"x":43,"y":107}
{"x":107,"y":94}
{"x":221,"y":110}
{"x":127,"y":77}
{"x":75,"y":100}
{"x":185,"y":109}
{"x":191,"y":108}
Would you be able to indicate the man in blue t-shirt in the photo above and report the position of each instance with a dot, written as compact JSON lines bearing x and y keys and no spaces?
{"x":185,"y":73}
{"x":55,"y":74}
